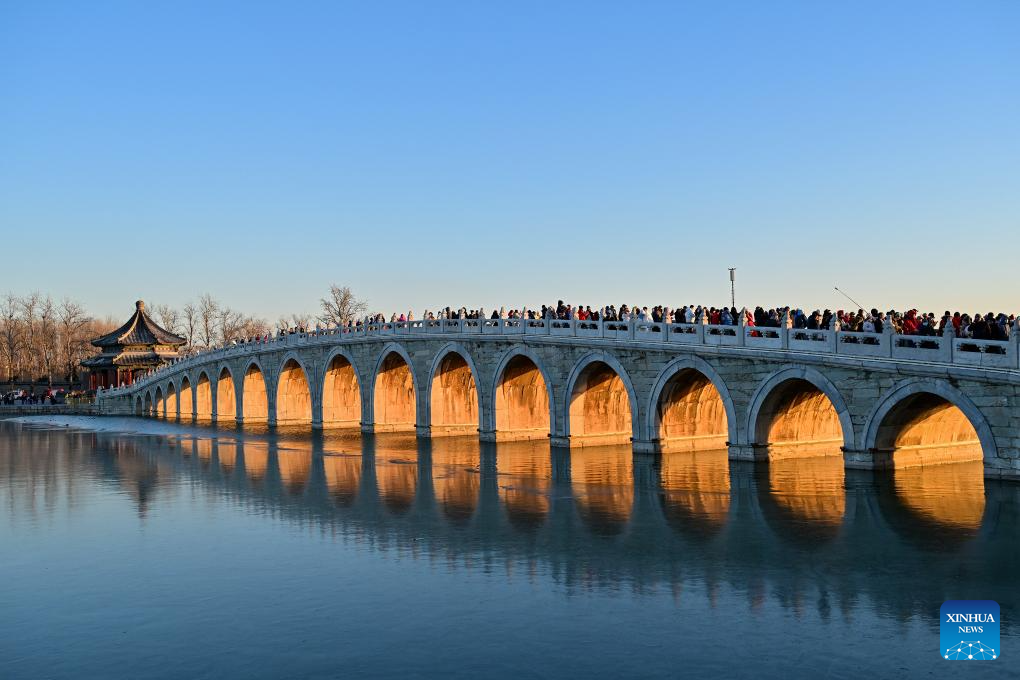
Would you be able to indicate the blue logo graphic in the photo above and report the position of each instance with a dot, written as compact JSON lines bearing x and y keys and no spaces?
{"x":969,"y":630}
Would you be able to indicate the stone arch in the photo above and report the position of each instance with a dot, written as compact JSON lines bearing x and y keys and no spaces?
{"x":186,"y":399}
{"x":293,"y":392}
{"x":522,"y":397}
{"x":452,"y":400}
{"x":203,"y":397}
{"x":394,"y":393}
{"x":226,"y":395}
{"x":341,"y":390}
{"x":690,"y":407}
{"x":138,"y":405}
{"x":923,"y":421}
{"x":254,"y":394}
{"x":799,"y":412}
{"x":600,"y":404}
{"x":159,"y":403}
{"x":148,"y":407}
{"x":172,"y":405}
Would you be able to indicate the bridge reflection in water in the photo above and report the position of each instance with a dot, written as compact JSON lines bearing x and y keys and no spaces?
{"x":797,"y":529}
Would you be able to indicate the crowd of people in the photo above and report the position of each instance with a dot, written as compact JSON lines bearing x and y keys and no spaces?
{"x":988,"y":326}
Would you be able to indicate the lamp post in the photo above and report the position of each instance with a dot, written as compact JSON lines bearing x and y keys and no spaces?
{"x":733,"y":289}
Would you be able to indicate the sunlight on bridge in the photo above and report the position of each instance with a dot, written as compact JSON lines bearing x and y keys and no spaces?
{"x":600,"y":408}
{"x":226,"y":402}
{"x":691,"y":413}
{"x":293,"y":396}
{"x":203,"y":398}
{"x":522,"y":402}
{"x":185,"y":400}
{"x":171,"y":402}
{"x":254,"y":404}
{"x":454,"y":402}
{"x":926,"y":429}
{"x":394,"y":395}
{"x":341,"y":395}
{"x":798,"y":420}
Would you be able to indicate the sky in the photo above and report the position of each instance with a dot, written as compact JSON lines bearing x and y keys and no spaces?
{"x":485,"y":154}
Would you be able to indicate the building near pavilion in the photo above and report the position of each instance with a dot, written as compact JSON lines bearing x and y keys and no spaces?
{"x":132,"y":350}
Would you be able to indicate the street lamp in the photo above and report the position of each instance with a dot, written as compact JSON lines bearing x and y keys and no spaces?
{"x":733,"y":289}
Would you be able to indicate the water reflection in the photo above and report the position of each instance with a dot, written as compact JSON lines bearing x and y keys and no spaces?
{"x":524,"y":471}
{"x":687,"y":518}
{"x":343,"y":477}
{"x":803,"y":498}
{"x":456,"y":476}
{"x":396,"y":470}
{"x":695,"y":493}
{"x":602,"y":482}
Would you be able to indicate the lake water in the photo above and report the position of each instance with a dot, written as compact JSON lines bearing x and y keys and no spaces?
{"x":154,"y":550}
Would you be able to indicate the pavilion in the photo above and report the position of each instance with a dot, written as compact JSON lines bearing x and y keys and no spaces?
{"x":131,"y":351}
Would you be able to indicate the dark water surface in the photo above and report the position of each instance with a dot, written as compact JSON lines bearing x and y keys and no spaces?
{"x":192,"y":552}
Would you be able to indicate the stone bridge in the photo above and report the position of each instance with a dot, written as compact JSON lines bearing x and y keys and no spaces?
{"x":882,"y":400}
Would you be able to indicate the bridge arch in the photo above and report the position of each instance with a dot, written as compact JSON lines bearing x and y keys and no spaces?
{"x":186,"y":403}
{"x":148,"y":408}
{"x":159,"y":402}
{"x":226,"y":395}
{"x":254,"y":393}
{"x":394,"y":392}
{"x":801,"y":411}
{"x":924,"y":421}
{"x":523,"y":406}
{"x":690,"y":407}
{"x":172,"y":405}
{"x":293,"y":391}
{"x":452,"y":400}
{"x":600,"y":405}
{"x":138,"y":406}
{"x":203,"y":396}
{"x":342,"y":402}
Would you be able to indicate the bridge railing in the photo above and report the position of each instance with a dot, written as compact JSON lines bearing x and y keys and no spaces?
{"x":887,"y":345}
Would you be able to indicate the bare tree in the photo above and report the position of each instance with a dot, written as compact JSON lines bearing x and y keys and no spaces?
{"x":169,"y":318}
{"x":30,"y":321}
{"x":11,"y":336}
{"x":48,"y":340}
{"x":189,"y":323}
{"x":73,"y":323}
{"x":208,"y":312}
{"x":252,"y":327}
{"x":340,"y":307}
{"x":230,"y":324}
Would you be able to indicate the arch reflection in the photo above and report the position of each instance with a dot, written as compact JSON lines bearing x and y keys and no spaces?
{"x":602,"y":482}
{"x":695,"y":491}
{"x":456,"y":477}
{"x":343,"y":477}
{"x":803,"y":499}
{"x":937,"y":506}
{"x":396,"y":471}
{"x":524,"y":474}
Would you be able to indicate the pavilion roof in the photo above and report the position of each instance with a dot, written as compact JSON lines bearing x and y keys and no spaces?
{"x":140,"y":329}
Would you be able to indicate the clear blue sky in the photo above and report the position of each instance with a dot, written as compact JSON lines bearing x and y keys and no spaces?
{"x":431,"y":153}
